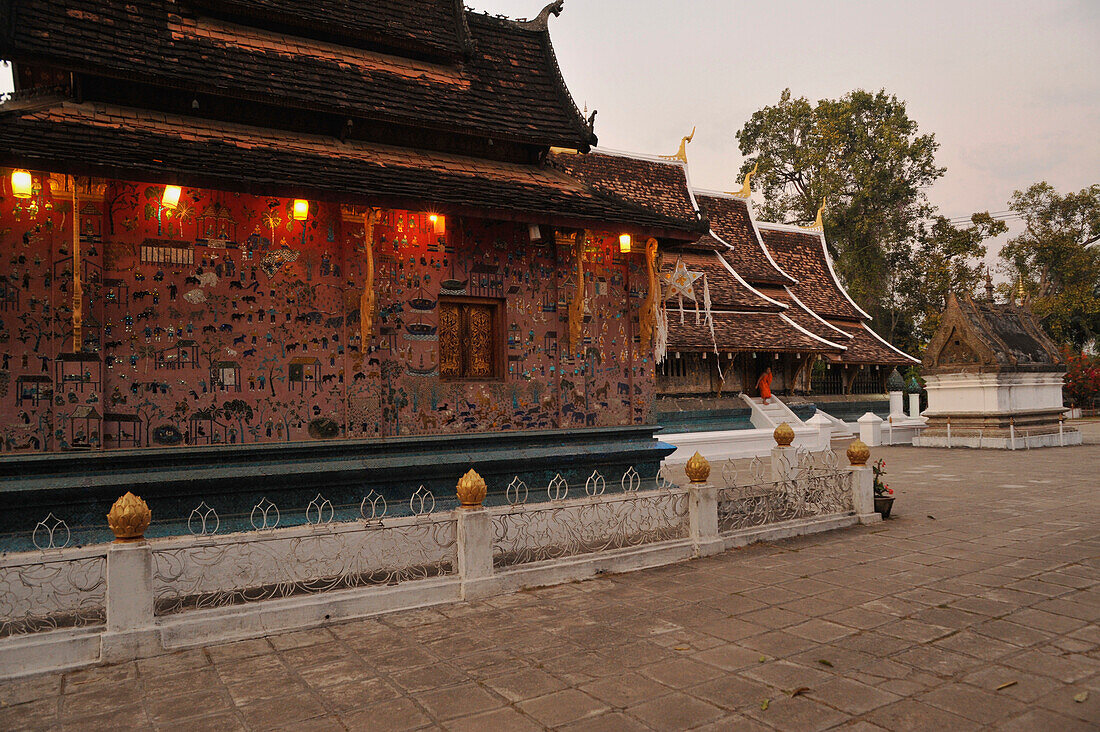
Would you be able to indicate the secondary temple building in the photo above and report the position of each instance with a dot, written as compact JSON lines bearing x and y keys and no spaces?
{"x":229,"y":226}
{"x":994,"y":379}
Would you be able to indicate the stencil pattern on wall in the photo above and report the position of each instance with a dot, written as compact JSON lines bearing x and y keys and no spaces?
{"x":226,"y":321}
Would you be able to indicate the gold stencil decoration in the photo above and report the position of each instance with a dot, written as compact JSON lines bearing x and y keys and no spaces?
{"x":450,"y":340}
{"x":647,"y":318}
{"x":369,"y":300}
{"x":129,"y":518}
{"x":576,"y":308}
{"x":481,"y":340}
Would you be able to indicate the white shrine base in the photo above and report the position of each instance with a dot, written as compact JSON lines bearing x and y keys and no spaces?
{"x":999,"y":411}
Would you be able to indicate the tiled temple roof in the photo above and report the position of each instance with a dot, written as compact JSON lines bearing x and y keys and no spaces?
{"x":133,"y":144}
{"x":741,"y":332}
{"x":867,"y":347}
{"x":809,"y":320}
{"x":660,"y":186}
{"x":802,"y":254}
{"x":731,"y":221}
{"x":429,"y":27}
{"x":507,"y":87}
{"x":987,"y":337}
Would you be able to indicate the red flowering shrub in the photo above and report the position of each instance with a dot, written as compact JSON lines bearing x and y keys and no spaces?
{"x":1082,"y":378}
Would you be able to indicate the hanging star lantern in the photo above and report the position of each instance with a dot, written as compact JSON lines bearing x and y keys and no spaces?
{"x":681,"y":281}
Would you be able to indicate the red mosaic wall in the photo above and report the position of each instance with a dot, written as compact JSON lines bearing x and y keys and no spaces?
{"x":226,"y":321}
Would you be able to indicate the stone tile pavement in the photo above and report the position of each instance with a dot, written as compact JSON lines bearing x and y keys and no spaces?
{"x":976,"y":607}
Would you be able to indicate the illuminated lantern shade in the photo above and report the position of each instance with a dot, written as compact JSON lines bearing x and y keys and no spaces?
{"x":171,"y":197}
{"x":624,"y":243}
{"x":439,"y":222}
{"x":301,"y":209}
{"x":21,"y":183}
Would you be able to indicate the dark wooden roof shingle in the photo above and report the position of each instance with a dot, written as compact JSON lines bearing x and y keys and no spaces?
{"x":741,"y":332}
{"x":138,"y":145}
{"x":659,"y":186}
{"x":802,"y":255}
{"x":730,"y":220}
{"x":508,"y":88}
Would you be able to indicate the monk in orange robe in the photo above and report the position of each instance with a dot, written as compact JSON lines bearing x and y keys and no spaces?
{"x":764,"y":384}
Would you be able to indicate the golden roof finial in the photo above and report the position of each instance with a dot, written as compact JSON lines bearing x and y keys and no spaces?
{"x":817,"y":225}
{"x":681,"y":154}
{"x":746,"y":186}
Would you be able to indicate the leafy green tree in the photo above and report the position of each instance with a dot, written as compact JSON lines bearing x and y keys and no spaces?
{"x":1056,"y":261}
{"x":863,"y":154}
{"x":944,"y":258}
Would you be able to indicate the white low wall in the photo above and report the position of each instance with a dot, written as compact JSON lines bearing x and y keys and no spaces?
{"x":738,"y":444}
{"x":66,"y":608}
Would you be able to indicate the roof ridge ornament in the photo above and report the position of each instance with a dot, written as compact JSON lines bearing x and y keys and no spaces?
{"x":542,"y":20}
{"x":746,"y":185}
{"x":681,"y":154}
{"x":817,"y":225}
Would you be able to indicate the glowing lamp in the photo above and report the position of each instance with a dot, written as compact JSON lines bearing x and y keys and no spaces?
{"x":439,"y":222}
{"x":624,"y":243}
{"x":21,"y":183}
{"x":171,"y":197}
{"x":300,"y":210}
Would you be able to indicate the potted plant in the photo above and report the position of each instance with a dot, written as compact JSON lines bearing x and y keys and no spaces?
{"x":884,"y":494}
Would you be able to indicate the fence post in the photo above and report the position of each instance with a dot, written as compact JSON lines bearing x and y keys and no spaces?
{"x":702,"y":508}
{"x":474,"y":536}
{"x":784,"y":457}
{"x":130,"y":630}
{"x":863,"y":481}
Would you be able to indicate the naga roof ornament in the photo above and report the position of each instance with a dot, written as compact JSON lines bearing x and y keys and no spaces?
{"x":681,"y":154}
{"x":746,"y":185}
{"x":817,"y":225}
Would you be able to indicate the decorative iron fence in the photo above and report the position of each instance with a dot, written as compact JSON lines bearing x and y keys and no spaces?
{"x":814,"y":486}
{"x":205,"y":571}
{"x":339,"y":548}
{"x":53,"y":589}
{"x":595,"y":522}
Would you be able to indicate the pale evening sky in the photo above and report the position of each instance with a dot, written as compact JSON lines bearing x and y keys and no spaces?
{"x":1011,"y":89}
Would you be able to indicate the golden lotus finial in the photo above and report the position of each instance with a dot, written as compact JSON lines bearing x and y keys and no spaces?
{"x":746,"y":185}
{"x":697,"y":469}
{"x":783,"y":435}
{"x":129,"y":518}
{"x":858,"y":453}
{"x":817,"y":225}
{"x":471,"y":489}
{"x":681,"y":154}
